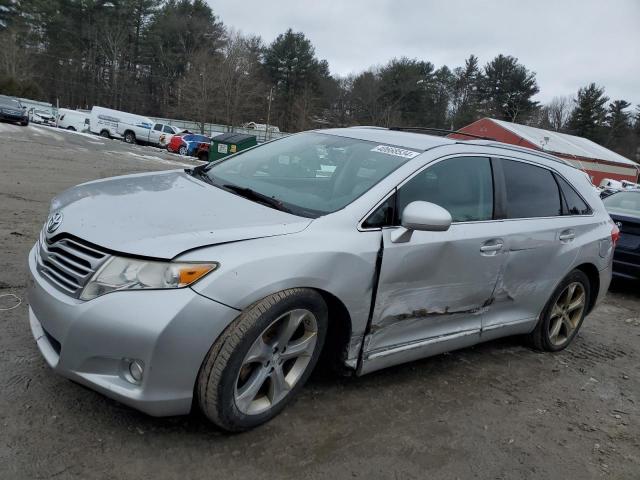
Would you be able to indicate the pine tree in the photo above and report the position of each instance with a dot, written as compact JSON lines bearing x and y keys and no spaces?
{"x":465,"y":98}
{"x":507,"y":89}
{"x":588,"y":118}
{"x":618,"y":122}
{"x":297,"y":74}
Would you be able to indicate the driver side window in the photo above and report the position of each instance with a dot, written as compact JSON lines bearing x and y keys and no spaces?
{"x":462,"y":185}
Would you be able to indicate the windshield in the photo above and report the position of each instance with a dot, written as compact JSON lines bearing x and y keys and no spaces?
{"x":311,"y":174}
{"x":624,"y":203}
{"x":10,"y":102}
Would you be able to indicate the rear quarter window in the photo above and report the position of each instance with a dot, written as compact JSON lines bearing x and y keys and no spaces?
{"x":573,"y":203}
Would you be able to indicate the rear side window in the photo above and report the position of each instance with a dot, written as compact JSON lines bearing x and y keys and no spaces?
{"x":531,"y":191}
{"x":158,"y":127}
{"x":573,"y":203}
{"x":167,"y":129}
{"x":463,"y":186}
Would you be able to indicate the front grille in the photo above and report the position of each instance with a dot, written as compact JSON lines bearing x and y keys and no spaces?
{"x":68,"y":263}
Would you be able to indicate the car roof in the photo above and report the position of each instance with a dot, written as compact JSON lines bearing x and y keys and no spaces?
{"x":415,"y":141}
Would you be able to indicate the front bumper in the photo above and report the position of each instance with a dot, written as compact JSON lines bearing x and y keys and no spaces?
{"x":12,"y":118}
{"x":169,"y":331}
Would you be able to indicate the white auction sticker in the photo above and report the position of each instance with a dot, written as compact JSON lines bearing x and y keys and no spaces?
{"x":398,"y":152}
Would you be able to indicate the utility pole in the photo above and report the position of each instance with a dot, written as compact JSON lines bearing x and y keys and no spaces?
{"x":268,"y":114}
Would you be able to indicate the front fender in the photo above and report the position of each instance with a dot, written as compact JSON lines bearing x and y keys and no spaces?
{"x":342,"y":265}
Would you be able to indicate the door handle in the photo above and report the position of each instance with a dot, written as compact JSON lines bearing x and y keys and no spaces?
{"x":567,"y":235}
{"x":491,"y":247}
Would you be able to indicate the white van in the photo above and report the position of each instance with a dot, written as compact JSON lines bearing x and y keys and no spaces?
{"x":74,"y":120}
{"x":110,"y":123}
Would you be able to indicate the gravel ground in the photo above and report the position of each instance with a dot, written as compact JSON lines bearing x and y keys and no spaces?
{"x":498,"y":410}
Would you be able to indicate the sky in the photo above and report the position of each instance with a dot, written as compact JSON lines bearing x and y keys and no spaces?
{"x":568,"y":43}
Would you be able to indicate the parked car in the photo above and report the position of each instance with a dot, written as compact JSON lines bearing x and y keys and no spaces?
{"x":187,"y":144}
{"x":74,"y":120}
{"x":624,"y":208}
{"x":375,"y":246}
{"x":11,"y":110}
{"x":42,"y":117}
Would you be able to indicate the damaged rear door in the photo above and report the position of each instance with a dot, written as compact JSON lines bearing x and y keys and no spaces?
{"x":434,"y":287}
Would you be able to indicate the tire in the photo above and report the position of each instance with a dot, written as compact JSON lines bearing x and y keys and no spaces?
{"x":25,"y":123}
{"x":130,"y":137}
{"x":105,"y":134}
{"x":182,"y":150}
{"x":542,"y":338}
{"x":71,"y":129}
{"x":220,"y":380}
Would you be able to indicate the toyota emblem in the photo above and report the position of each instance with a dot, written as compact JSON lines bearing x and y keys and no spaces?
{"x":54,"y":222}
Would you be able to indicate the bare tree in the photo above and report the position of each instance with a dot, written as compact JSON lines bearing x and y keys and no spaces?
{"x":558,"y":112}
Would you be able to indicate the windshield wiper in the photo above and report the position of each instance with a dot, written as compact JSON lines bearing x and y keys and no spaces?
{"x":257,"y":196}
{"x":201,"y":174}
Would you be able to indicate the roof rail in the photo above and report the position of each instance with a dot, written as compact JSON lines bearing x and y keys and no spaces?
{"x":530,"y":151}
{"x":439,"y":130}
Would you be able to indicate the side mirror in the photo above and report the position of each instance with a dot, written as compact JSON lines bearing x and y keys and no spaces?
{"x":423,"y":216}
{"x":426,"y":216}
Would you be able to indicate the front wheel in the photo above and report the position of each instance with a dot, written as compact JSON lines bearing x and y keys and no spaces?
{"x":563,"y":315}
{"x":182,"y":150}
{"x":263,"y":359}
{"x":130,"y":137}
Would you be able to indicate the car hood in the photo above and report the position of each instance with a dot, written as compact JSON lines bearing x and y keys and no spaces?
{"x":161,"y":215}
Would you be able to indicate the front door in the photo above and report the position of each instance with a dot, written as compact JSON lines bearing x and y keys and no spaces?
{"x":434,"y":287}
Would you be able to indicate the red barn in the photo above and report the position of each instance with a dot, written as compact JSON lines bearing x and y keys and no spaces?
{"x":598,"y":162}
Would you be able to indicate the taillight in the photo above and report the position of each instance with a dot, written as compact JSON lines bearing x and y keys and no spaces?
{"x":615,"y":235}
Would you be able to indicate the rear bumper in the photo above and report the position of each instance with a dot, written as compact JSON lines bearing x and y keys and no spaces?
{"x":169,"y":331}
{"x":626,"y":264}
{"x":605,"y":280}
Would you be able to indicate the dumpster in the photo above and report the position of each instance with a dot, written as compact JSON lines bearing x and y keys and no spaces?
{"x":229,"y":143}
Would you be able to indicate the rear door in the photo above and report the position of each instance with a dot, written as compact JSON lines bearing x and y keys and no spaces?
{"x":434,"y":287}
{"x":543,"y":238}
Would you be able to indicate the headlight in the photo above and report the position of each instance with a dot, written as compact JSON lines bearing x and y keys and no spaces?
{"x":120,"y":273}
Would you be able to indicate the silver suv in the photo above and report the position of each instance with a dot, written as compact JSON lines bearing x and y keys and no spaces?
{"x":373,"y":246}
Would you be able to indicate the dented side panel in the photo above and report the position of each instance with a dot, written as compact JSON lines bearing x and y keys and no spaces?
{"x":436,"y":284}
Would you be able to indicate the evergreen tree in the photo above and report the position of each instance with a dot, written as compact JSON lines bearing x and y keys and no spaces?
{"x":618,"y":122}
{"x":296,"y":73}
{"x":507,"y":89}
{"x":465,"y":98}
{"x":590,"y":114}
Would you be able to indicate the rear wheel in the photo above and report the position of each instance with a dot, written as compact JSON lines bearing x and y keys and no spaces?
{"x":563,"y":315}
{"x":263,"y":359}
{"x":182,"y":150}
{"x":71,"y":128}
{"x":105,"y":134}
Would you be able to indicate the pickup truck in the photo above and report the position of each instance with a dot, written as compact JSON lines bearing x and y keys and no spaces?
{"x":129,"y":127}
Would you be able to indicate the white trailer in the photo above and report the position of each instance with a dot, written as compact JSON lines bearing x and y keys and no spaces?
{"x":74,"y":120}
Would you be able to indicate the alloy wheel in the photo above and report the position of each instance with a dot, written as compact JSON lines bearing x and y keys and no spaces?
{"x":567,"y":313}
{"x":276,"y":361}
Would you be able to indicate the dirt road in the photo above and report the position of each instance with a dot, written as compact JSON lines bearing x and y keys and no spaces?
{"x":498,"y":411}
